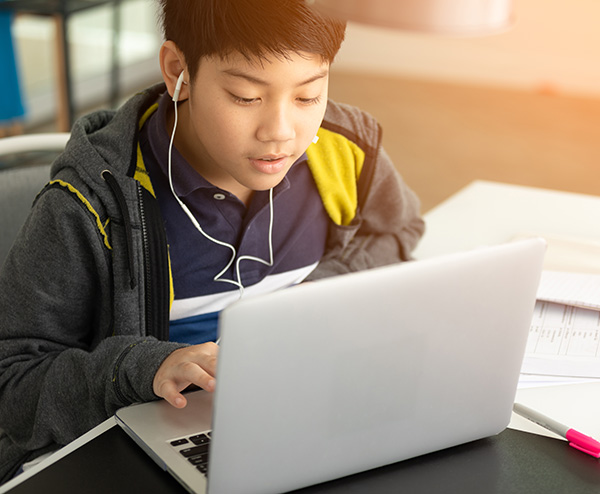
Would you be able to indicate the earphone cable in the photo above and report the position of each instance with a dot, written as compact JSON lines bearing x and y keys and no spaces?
{"x":238,"y":282}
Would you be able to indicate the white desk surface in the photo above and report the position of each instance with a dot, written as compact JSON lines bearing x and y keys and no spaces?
{"x":486,"y":213}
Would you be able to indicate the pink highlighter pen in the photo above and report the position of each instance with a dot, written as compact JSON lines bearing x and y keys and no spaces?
{"x":576,"y":439}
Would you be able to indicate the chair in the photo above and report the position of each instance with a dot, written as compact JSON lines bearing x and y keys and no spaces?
{"x":20,"y":185}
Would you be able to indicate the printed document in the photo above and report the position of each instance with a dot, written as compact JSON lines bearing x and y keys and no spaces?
{"x":564,"y":337}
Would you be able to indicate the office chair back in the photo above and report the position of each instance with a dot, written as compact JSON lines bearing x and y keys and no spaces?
{"x":20,"y":185}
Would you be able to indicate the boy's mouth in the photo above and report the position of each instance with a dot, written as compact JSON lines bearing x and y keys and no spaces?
{"x":269,"y":164}
{"x":271,"y":157}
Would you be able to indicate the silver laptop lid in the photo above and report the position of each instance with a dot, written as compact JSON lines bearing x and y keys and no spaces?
{"x":339,"y":376}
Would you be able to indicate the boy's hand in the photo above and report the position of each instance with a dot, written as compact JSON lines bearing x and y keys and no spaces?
{"x":191,"y":365}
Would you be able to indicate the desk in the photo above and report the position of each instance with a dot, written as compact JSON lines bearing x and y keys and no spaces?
{"x":485,"y":213}
{"x":511,"y":463}
{"x":61,"y":10}
{"x":106,"y":460}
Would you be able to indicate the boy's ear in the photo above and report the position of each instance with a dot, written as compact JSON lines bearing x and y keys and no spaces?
{"x":172,"y":63}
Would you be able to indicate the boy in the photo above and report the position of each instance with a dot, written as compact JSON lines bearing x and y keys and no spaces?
{"x":193,"y":194}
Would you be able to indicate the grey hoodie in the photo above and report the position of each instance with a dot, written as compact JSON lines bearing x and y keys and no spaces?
{"x":84,"y":293}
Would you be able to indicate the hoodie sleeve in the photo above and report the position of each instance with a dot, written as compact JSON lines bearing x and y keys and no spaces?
{"x":64,"y":368}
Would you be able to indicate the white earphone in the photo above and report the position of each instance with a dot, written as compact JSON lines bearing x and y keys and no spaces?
{"x":238,"y":281}
{"x":178,"y":87}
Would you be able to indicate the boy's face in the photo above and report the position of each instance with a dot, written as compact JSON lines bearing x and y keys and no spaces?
{"x":245,"y":124}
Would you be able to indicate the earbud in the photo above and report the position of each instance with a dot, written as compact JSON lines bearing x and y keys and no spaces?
{"x":178,"y":87}
{"x":315,"y":140}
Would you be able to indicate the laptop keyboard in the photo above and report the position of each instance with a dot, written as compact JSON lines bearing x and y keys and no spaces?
{"x":195,"y":449}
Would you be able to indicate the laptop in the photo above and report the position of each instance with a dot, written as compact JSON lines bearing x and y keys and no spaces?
{"x":331,"y":378}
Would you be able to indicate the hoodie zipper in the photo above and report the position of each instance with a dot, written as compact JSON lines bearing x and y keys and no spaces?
{"x":146,"y":251}
{"x":156,"y":269}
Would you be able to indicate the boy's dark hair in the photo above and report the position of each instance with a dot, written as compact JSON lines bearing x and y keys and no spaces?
{"x":254,"y":28}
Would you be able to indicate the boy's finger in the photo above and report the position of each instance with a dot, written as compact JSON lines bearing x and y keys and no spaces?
{"x":169,"y":392}
{"x":193,"y":373}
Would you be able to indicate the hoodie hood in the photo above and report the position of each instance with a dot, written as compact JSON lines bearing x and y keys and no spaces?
{"x":106,"y":140}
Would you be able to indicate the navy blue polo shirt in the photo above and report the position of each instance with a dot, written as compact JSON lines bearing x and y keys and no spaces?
{"x":300,"y":225}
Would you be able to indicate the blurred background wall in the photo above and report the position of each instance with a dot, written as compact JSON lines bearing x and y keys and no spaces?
{"x":553,"y":47}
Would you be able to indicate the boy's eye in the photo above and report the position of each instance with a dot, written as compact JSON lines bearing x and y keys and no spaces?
{"x":310,"y":101}
{"x":249,"y":101}
{"x":243,"y":101}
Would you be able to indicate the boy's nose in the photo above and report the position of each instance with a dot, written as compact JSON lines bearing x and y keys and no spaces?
{"x":277,"y":125}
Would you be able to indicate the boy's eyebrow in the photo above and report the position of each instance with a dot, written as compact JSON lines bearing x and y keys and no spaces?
{"x":261,"y":82}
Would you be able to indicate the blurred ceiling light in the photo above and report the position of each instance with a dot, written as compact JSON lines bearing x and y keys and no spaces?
{"x":451,"y":17}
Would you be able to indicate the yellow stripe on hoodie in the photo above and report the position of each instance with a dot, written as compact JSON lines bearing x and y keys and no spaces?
{"x":336,"y":163}
{"x":141,"y":174}
{"x":89,"y":207}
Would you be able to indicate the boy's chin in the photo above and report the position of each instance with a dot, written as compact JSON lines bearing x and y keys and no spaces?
{"x":266,"y":185}
{"x":265,"y":181}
